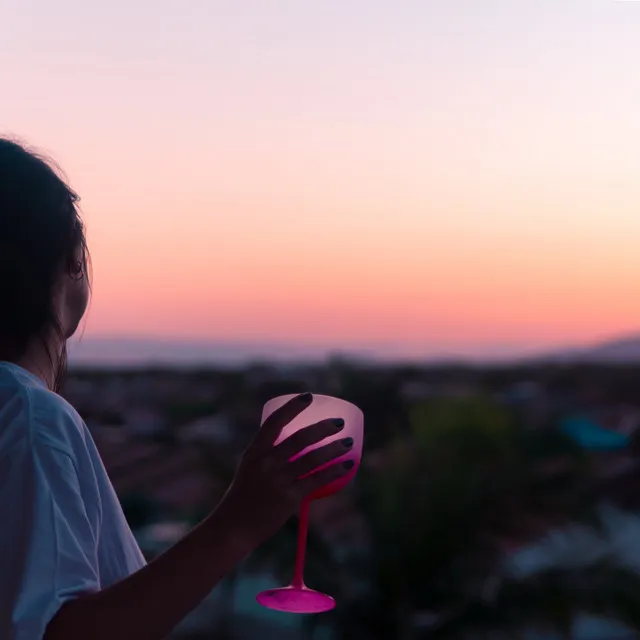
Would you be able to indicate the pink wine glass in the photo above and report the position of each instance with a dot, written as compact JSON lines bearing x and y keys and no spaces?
{"x":297,"y":597}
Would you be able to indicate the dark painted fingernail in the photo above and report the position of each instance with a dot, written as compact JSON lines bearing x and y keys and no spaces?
{"x":338,"y":423}
{"x":305,"y":397}
{"x":348,"y":442}
{"x":348,"y":464}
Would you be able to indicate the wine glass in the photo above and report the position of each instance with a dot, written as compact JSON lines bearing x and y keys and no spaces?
{"x":297,"y":597}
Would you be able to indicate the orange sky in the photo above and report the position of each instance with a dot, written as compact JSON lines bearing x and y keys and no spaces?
{"x":453,"y":174}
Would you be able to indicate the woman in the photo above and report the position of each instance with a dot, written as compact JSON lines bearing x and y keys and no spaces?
{"x":69,"y":566}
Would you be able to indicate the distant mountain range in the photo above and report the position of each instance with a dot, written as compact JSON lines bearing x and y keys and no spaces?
{"x":618,"y":351}
{"x":119,"y":352}
{"x":132,"y":352}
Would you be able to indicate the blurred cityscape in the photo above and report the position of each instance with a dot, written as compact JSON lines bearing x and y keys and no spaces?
{"x":492,"y":502}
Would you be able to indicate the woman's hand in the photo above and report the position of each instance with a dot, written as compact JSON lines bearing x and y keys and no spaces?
{"x":269,"y":485}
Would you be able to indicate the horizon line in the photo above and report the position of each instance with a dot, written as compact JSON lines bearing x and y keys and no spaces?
{"x":159,"y":351}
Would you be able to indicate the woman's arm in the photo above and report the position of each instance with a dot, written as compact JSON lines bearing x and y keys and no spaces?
{"x":266,"y":491}
{"x":152,"y":601}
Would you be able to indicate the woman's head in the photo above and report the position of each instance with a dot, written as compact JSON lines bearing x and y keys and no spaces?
{"x":44,"y":262}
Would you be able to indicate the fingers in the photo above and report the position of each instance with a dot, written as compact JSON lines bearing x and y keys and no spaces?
{"x":306,"y":437}
{"x":318,"y":457}
{"x":281,"y":417}
{"x":317,"y":480}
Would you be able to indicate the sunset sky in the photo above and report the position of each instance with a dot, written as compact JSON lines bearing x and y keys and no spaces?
{"x":459,"y":174}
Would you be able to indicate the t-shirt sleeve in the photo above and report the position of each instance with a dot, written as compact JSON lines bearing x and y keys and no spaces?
{"x":48,"y":551}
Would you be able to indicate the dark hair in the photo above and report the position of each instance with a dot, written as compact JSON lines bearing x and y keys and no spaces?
{"x":41,"y":233}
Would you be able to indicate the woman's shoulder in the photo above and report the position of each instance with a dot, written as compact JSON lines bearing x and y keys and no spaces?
{"x":29,"y":409}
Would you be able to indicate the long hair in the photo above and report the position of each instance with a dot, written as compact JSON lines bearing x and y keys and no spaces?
{"x":41,"y":234}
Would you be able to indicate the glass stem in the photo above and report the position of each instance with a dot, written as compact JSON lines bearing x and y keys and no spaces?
{"x":303,"y":528}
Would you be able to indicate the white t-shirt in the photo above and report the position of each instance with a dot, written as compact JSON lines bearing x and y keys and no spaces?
{"x":62,"y":530}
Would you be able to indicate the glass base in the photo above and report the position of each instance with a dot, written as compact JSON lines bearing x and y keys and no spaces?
{"x":296,"y":600}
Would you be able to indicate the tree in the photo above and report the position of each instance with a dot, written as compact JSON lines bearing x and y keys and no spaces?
{"x":453,"y":500}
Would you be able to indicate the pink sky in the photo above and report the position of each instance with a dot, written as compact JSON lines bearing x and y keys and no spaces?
{"x":456,"y":173}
